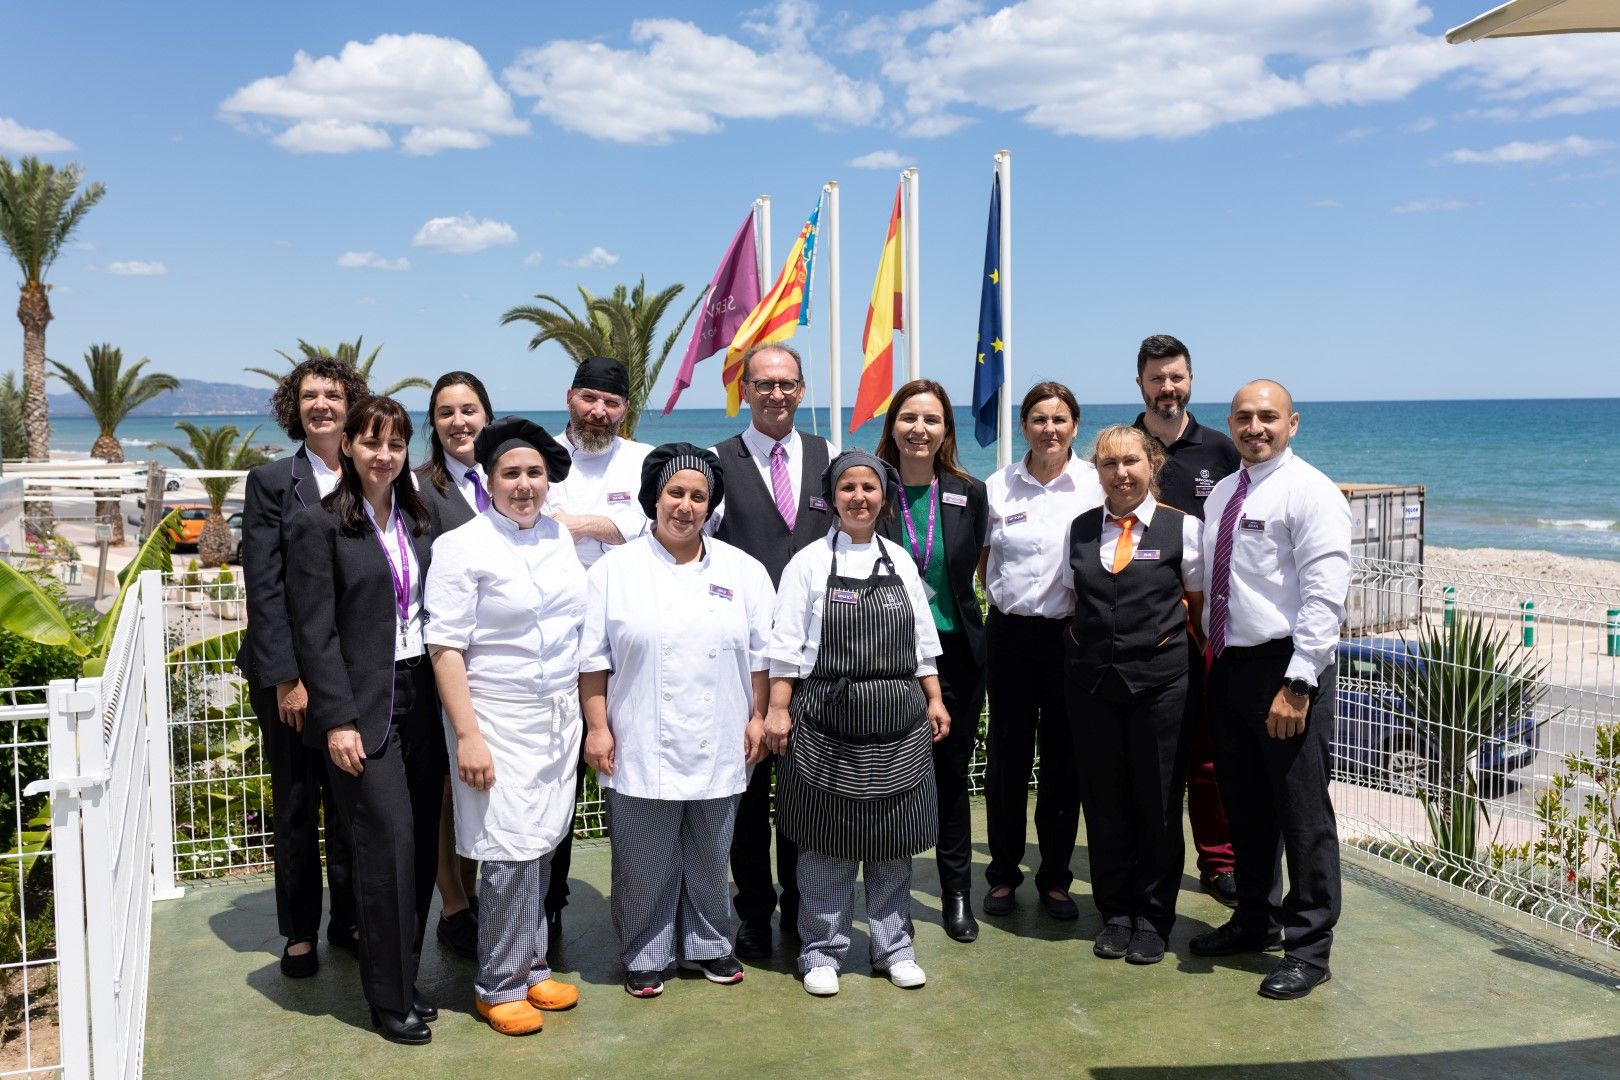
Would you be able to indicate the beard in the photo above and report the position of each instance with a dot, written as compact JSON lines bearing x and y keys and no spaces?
{"x":1167,"y":410}
{"x":589,"y":439}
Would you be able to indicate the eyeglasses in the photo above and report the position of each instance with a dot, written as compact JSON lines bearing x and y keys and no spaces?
{"x":763,"y":387}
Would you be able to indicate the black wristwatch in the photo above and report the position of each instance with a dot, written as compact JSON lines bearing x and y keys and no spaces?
{"x":1299,"y":688}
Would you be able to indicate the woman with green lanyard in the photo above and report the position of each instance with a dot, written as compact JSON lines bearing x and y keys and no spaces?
{"x":944,"y":523}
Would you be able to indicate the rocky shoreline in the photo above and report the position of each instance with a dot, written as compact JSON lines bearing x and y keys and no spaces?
{"x":1601,"y":573}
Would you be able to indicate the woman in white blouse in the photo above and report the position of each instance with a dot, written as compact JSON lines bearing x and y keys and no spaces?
{"x":856,"y":707}
{"x":505,"y":600}
{"x":672,"y":679}
{"x":1032,"y":502}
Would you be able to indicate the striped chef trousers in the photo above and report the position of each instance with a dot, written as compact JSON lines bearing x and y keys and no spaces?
{"x":827,"y":909}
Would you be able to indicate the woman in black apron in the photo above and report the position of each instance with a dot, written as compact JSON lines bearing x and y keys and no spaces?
{"x":855,"y":708}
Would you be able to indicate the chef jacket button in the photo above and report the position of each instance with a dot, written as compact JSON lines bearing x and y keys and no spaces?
{"x":668,"y":695}
{"x":714,"y":652}
{"x":708,"y":697}
{"x":704,"y":744}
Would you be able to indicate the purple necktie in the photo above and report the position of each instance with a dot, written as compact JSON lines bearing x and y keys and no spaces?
{"x":479,"y":497}
{"x":782,"y":487}
{"x":1220,"y":575}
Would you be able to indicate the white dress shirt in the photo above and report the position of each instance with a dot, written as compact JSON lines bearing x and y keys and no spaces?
{"x":463,"y":475}
{"x":1192,"y":538}
{"x":605,"y":483}
{"x":759,"y":447}
{"x":410,"y":643}
{"x":512,"y":600}
{"x":1029,"y":536}
{"x":681,"y":643}
{"x":325,"y":479}
{"x":1290,"y":561}
{"x":802,"y":596}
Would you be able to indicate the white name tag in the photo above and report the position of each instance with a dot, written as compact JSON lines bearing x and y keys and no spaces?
{"x":817,"y":503}
{"x":951,"y":498}
{"x":1147,"y":554}
{"x":618,"y":496}
{"x":1013,"y":519}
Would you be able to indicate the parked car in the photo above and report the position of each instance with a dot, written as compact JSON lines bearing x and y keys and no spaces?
{"x":170,"y":483}
{"x":192,"y":518}
{"x":234,"y":523}
{"x":1373,"y":743}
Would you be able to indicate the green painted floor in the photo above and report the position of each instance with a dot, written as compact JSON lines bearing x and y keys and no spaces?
{"x":1419,"y":989}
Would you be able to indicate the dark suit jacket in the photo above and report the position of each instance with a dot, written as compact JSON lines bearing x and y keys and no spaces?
{"x":963,"y":532}
{"x":276,"y":492}
{"x":449,"y":508}
{"x":340,"y":591}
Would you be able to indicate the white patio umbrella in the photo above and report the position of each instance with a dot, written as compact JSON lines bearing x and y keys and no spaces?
{"x":1526,"y":18}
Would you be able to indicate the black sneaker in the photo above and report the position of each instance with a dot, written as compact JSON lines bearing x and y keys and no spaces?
{"x":459,"y":933}
{"x":1146,"y":947}
{"x":1222,"y":886}
{"x":644,"y":984}
{"x":1112,"y":942}
{"x":722,"y":969}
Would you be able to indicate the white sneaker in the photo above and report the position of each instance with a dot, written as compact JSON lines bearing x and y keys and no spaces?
{"x":907,"y":975}
{"x":822,"y":981}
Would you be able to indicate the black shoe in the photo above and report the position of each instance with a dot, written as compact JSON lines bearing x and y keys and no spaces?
{"x":472,"y":903}
{"x":459,"y":933}
{"x":301,"y":966}
{"x":1002,"y":904}
{"x":1062,"y":907}
{"x":425,"y":1010}
{"x":722,"y":969}
{"x":960,"y":925}
{"x":1222,"y":886}
{"x":644,"y":984}
{"x":407,"y":1029}
{"x":1146,"y":947}
{"x":1230,"y":939}
{"x":345,"y":938}
{"x":789,"y":923}
{"x":1112,"y":942}
{"x":1293,"y":978}
{"x":754,"y":940}
{"x":554,"y":929}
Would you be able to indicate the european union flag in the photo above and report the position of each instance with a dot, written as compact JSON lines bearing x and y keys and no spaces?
{"x":987,"y":371}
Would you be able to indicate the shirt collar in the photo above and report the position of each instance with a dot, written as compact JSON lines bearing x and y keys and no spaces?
{"x":371,"y":515}
{"x":318,"y":467}
{"x":1259,"y":472}
{"x":1194,"y":433}
{"x":760,"y":443}
{"x":577,"y":451}
{"x":509,"y":528}
{"x":1066,"y":480}
{"x":661,"y":553}
{"x":1143,"y":513}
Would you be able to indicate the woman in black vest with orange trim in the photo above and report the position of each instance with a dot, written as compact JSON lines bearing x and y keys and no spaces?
{"x":1135,"y":568}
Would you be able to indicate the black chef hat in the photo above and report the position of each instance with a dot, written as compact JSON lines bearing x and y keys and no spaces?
{"x":667,"y":460}
{"x":511,"y":432}
{"x":888,"y":476}
{"x":602,"y":373}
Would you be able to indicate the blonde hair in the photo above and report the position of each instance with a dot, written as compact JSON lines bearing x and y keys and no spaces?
{"x":1115,"y":434}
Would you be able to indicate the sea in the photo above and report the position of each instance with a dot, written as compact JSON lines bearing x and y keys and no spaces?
{"x":1525,"y":474}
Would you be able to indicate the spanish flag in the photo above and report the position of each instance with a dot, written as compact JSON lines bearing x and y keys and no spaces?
{"x":883,"y":318}
{"x":776,"y":316}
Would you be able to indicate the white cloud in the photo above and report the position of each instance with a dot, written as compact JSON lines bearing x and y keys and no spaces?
{"x":1530,"y":153}
{"x":133,"y":268}
{"x":880,"y":159}
{"x":1326,"y":204}
{"x":876,"y":32}
{"x":370,"y":260}
{"x":1420,"y":125}
{"x":1432,"y":205}
{"x":16,"y":139}
{"x":438,"y":89}
{"x":680,"y":80}
{"x":533,"y":258}
{"x":597,"y":258}
{"x":463,"y":235}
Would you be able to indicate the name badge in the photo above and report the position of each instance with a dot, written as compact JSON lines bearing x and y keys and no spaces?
{"x":845,"y":596}
{"x":1146,"y":554}
{"x":721,"y":591}
{"x":817,"y":503}
{"x":1013,"y":519}
{"x":1252,"y":524}
{"x":1202,"y":488}
{"x":618,"y":496}
{"x":951,"y":498}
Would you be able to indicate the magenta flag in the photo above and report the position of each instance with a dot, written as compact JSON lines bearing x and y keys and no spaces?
{"x":733,"y":293}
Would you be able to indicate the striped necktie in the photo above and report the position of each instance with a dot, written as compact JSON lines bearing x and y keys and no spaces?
{"x":782,"y":487}
{"x":1220,"y":575}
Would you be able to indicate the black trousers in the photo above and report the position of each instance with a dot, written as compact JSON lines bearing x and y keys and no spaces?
{"x":299,"y":788}
{"x":392,"y":809}
{"x":562,"y":856}
{"x":961,"y":684}
{"x":1276,"y":797}
{"x":1024,"y":676}
{"x":1131,"y":752}
{"x":751,"y":855}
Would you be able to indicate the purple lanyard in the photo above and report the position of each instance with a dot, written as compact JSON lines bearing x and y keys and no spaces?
{"x":911,"y":526}
{"x":401,"y":574}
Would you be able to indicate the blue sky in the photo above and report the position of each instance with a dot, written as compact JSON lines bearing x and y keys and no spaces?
{"x":1316,"y":190}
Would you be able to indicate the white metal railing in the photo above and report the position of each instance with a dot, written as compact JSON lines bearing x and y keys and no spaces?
{"x":29,"y":983}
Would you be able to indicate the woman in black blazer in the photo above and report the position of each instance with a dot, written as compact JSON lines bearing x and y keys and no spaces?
{"x":311,"y":404}
{"x":355,"y":593}
{"x":943,"y":520}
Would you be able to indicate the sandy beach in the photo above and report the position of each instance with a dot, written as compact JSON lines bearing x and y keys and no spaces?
{"x":1602,"y":573}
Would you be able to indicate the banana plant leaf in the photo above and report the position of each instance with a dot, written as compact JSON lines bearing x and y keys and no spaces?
{"x":25,"y":610}
{"x":155,"y":554}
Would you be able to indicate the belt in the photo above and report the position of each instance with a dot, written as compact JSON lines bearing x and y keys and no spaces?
{"x":410,"y":661}
{"x":1266,"y":650}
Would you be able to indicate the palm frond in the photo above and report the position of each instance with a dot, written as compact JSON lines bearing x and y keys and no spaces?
{"x":39,"y":212}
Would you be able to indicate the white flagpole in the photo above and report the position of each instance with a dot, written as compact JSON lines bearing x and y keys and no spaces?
{"x":835,"y":421}
{"x":762,"y":240}
{"x":1004,"y":435}
{"x":913,"y":290}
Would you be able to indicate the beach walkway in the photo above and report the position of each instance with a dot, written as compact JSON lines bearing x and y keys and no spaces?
{"x":1420,"y":989}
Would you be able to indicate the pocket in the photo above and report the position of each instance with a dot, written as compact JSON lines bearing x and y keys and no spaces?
{"x":861,"y":770}
{"x":1255,"y":552}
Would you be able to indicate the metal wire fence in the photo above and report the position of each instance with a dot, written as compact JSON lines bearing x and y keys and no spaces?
{"x":30,"y":1016}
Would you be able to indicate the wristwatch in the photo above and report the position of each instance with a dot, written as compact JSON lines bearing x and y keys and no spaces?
{"x":1299,"y":688}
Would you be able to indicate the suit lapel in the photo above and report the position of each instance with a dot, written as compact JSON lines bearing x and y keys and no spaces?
{"x":301,"y":457}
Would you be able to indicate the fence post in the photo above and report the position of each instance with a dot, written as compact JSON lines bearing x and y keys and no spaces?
{"x":1613,"y":641}
{"x":159,"y":754}
{"x":67,"y":880}
{"x":1450,"y":593}
{"x":101,"y":951}
{"x":1529,"y":633}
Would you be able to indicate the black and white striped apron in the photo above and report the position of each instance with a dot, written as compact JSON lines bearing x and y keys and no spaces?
{"x":857,"y":781}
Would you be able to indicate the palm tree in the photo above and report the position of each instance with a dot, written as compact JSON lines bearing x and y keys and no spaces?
{"x":346,"y":353}
{"x":111,"y":395}
{"x":623,"y":326}
{"x":216,"y":448}
{"x":13,"y":441}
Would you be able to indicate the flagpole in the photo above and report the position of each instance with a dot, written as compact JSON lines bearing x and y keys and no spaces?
{"x":835,"y":422}
{"x":762,"y":235}
{"x":913,"y":292}
{"x":1004,"y":421}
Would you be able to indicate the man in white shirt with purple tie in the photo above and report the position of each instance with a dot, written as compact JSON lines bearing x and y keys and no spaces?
{"x":1277,"y":552}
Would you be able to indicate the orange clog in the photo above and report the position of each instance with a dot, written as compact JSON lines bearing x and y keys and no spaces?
{"x":511,"y":1017}
{"x":553,"y":996}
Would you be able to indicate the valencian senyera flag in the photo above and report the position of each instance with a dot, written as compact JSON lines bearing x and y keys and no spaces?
{"x":733,"y":293}
{"x":883,"y":318}
{"x":987,"y":371}
{"x":777,"y":315}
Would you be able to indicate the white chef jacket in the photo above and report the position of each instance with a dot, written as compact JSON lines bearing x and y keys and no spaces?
{"x":1290,"y":566}
{"x":1029,"y":534}
{"x":411,"y":643}
{"x":605,"y":483}
{"x":759,"y":447}
{"x":680,"y":643}
{"x":802,"y":595}
{"x":1192,"y":539}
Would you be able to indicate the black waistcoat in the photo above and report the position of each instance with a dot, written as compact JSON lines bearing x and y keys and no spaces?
{"x":751,"y":520}
{"x":1133,"y":621}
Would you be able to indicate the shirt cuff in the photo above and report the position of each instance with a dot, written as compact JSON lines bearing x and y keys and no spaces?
{"x":1303,"y":666}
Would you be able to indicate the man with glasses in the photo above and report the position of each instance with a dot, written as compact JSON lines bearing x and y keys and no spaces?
{"x":771,"y":510}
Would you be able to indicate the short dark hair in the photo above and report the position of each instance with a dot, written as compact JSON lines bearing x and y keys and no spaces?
{"x":436,"y":472}
{"x":779,"y":346}
{"x":1041,"y":391}
{"x":1160,"y":347}
{"x":284,"y":399}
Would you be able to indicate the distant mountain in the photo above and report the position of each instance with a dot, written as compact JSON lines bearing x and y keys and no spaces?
{"x":194,"y":398}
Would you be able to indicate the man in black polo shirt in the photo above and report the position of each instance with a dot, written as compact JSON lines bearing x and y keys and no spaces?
{"x":1196,"y":458}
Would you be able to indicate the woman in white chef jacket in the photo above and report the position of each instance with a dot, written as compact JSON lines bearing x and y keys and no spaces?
{"x":673,"y":685}
{"x":505,"y":600}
